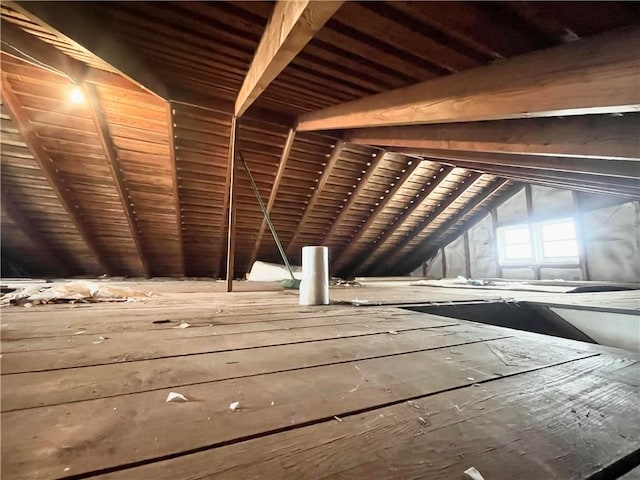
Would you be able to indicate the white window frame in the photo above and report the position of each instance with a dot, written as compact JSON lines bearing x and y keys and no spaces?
{"x":502,"y":246}
{"x":536,"y":244}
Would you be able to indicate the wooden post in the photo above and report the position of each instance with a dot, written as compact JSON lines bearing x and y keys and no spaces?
{"x":467,"y":255}
{"x":494,"y":228}
{"x":231,"y":240}
{"x":444,"y":263}
{"x":529,"y":199}
{"x":580,"y":237}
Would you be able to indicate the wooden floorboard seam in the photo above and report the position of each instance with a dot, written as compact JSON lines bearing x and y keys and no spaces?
{"x":224,"y":350}
{"x":317,"y":421}
{"x":618,"y":468}
{"x":267,"y":372}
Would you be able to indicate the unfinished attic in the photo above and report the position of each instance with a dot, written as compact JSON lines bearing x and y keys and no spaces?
{"x":320,"y":240}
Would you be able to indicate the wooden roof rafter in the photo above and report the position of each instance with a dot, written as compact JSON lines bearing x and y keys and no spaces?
{"x":453,"y":196}
{"x":361,"y":185}
{"x":568,"y":179}
{"x":593,"y":75}
{"x":384,"y":240}
{"x":590,"y":136}
{"x":291,"y":26}
{"x":104,"y":135}
{"x":13,"y":211}
{"x":613,"y":168}
{"x":286,"y":150}
{"x":28,"y":48}
{"x":322,"y":181}
{"x":343,"y":258}
{"x":45,"y":163}
{"x":176,"y":187}
{"x":422,"y":251}
{"x":78,"y":23}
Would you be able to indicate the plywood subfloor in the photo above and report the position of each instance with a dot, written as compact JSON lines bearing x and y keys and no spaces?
{"x":337,"y":392}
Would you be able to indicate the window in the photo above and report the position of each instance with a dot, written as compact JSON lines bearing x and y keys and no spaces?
{"x":557,"y":241}
{"x":515,"y":245}
{"x":542,"y":243}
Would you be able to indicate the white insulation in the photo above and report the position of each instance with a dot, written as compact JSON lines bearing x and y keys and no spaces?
{"x":611,"y":240}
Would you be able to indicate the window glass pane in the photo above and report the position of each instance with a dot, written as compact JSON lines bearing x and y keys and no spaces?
{"x":560,"y":249}
{"x":558,"y":231}
{"x":517,"y":235}
{"x":517,"y":252}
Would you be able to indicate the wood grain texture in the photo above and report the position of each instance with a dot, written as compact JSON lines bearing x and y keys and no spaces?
{"x":207,"y":420}
{"x":291,"y":26}
{"x":595,"y":75}
{"x":181,"y":342}
{"x":37,"y":389}
{"x":19,"y":116}
{"x":553,"y":423}
{"x":593,"y":136}
{"x":83,"y":27}
{"x":104,"y":134}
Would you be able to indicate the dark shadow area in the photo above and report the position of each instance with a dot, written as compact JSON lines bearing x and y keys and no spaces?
{"x":517,"y":315}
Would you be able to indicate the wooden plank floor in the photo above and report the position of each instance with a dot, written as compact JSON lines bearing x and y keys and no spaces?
{"x":335,"y":392}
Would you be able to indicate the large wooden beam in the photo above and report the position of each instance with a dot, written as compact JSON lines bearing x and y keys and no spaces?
{"x":324,"y":178}
{"x":422,"y":250}
{"x":595,"y":75}
{"x":343,"y":258}
{"x":45,"y":163}
{"x":292,"y":25}
{"x":453,"y":196}
{"x":384,"y":242}
{"x":615,"y":191}
{"x":221,"y":105}
{"x":80,"y":23}
{"x":13,"y":211}
{"x":362,"y":184}
{"x":592,"y":166}
{"x":589,"y":136}
{"x":282,"y":166}
{"x":104,"y":135}
{"x":571,"y":179}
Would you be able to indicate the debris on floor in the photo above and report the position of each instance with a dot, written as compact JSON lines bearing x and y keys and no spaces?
{"x":338,"y":282}
{"x":72,"y":292}
{"x":234,"y":406}
{"x":473,"y":474}
{"x":176,"y":397}
{"x":359,"y":301}
{"x":183,"y":324}
{"x":392,"y":332}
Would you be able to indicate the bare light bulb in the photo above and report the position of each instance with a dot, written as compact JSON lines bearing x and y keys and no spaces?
{"x":76,"y":95}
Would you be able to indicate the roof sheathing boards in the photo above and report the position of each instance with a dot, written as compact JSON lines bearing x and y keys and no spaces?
{"x":19,"y":249}
{"x":261,"y":144}
{"x":72,"y":143}
{"x":308,"y":159}
{"x":139,"y":130}
{"x":27,"y":188}
{"x":61,"y":42}
{"x":201,"y":152}
{"x":428,"y":184}
{"x":351,"y":166}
